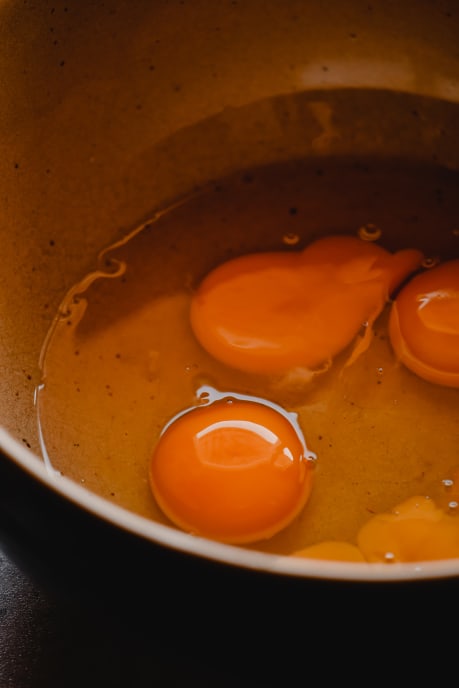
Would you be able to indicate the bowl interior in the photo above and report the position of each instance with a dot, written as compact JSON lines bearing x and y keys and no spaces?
{"x":100,"y":133}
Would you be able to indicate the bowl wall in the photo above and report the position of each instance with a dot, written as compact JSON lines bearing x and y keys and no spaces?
{"x":113,"y":111}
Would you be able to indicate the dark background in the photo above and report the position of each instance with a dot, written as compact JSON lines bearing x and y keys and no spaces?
{"x":390,"y":636}
{"x":45,"y":642}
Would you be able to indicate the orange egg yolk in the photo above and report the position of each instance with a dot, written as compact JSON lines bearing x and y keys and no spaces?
{"x":234,"y":470}
{"x":424,"y":324}
{"x":274,"y":312}
{"x":333,"y":551}
{"x":416,"y":530}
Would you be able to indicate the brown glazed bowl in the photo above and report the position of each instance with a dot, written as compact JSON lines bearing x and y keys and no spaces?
{"x":112,"y":109}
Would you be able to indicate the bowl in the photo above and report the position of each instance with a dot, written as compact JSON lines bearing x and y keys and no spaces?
{"x":114,"y":110}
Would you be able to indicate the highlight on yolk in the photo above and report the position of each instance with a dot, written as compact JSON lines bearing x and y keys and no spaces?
{"x":234,"y":470}
{"x":416,"y":530}
{"x":274,"y":312}
{"x":424,"y":324}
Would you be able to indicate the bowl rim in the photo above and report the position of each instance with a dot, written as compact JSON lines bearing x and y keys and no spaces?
{"x":204,"y":548}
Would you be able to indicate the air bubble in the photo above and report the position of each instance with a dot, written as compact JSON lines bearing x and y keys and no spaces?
{"x":447,"y":482}
{"x":389,"y":557}
{"x":430,"y":262}
{"x":291,"y":239}
{"x":453,"y":505}
{"x":369,"y":232}
{"x":64,"y":312}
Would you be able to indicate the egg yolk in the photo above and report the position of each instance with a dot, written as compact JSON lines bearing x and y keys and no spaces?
{"x":274,"y":312}
{"x":416,"y":530}
{"x":424,"y":324}
{"x":333,"y":551}
{"x":234,"y":470}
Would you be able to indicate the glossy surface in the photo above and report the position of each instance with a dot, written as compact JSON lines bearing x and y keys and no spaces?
{"x":418,"y":530}
{"x":81,"y":122}
{"x":275,"y":312}
{"x":424,"y":324}
{"x":235,"y":470}
{"x":122,"y":359}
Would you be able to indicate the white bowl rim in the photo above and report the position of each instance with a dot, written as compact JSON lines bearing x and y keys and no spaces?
{"x":172,"y":538}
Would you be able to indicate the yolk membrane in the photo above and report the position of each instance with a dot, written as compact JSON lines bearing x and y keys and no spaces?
{"x":234,"y":470}
{"x":274,"y":312}
{"x":424,"y":324}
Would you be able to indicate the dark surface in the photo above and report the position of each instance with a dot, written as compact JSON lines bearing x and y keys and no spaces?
{"x":86,"y":604}
{"x":45,"y":643}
